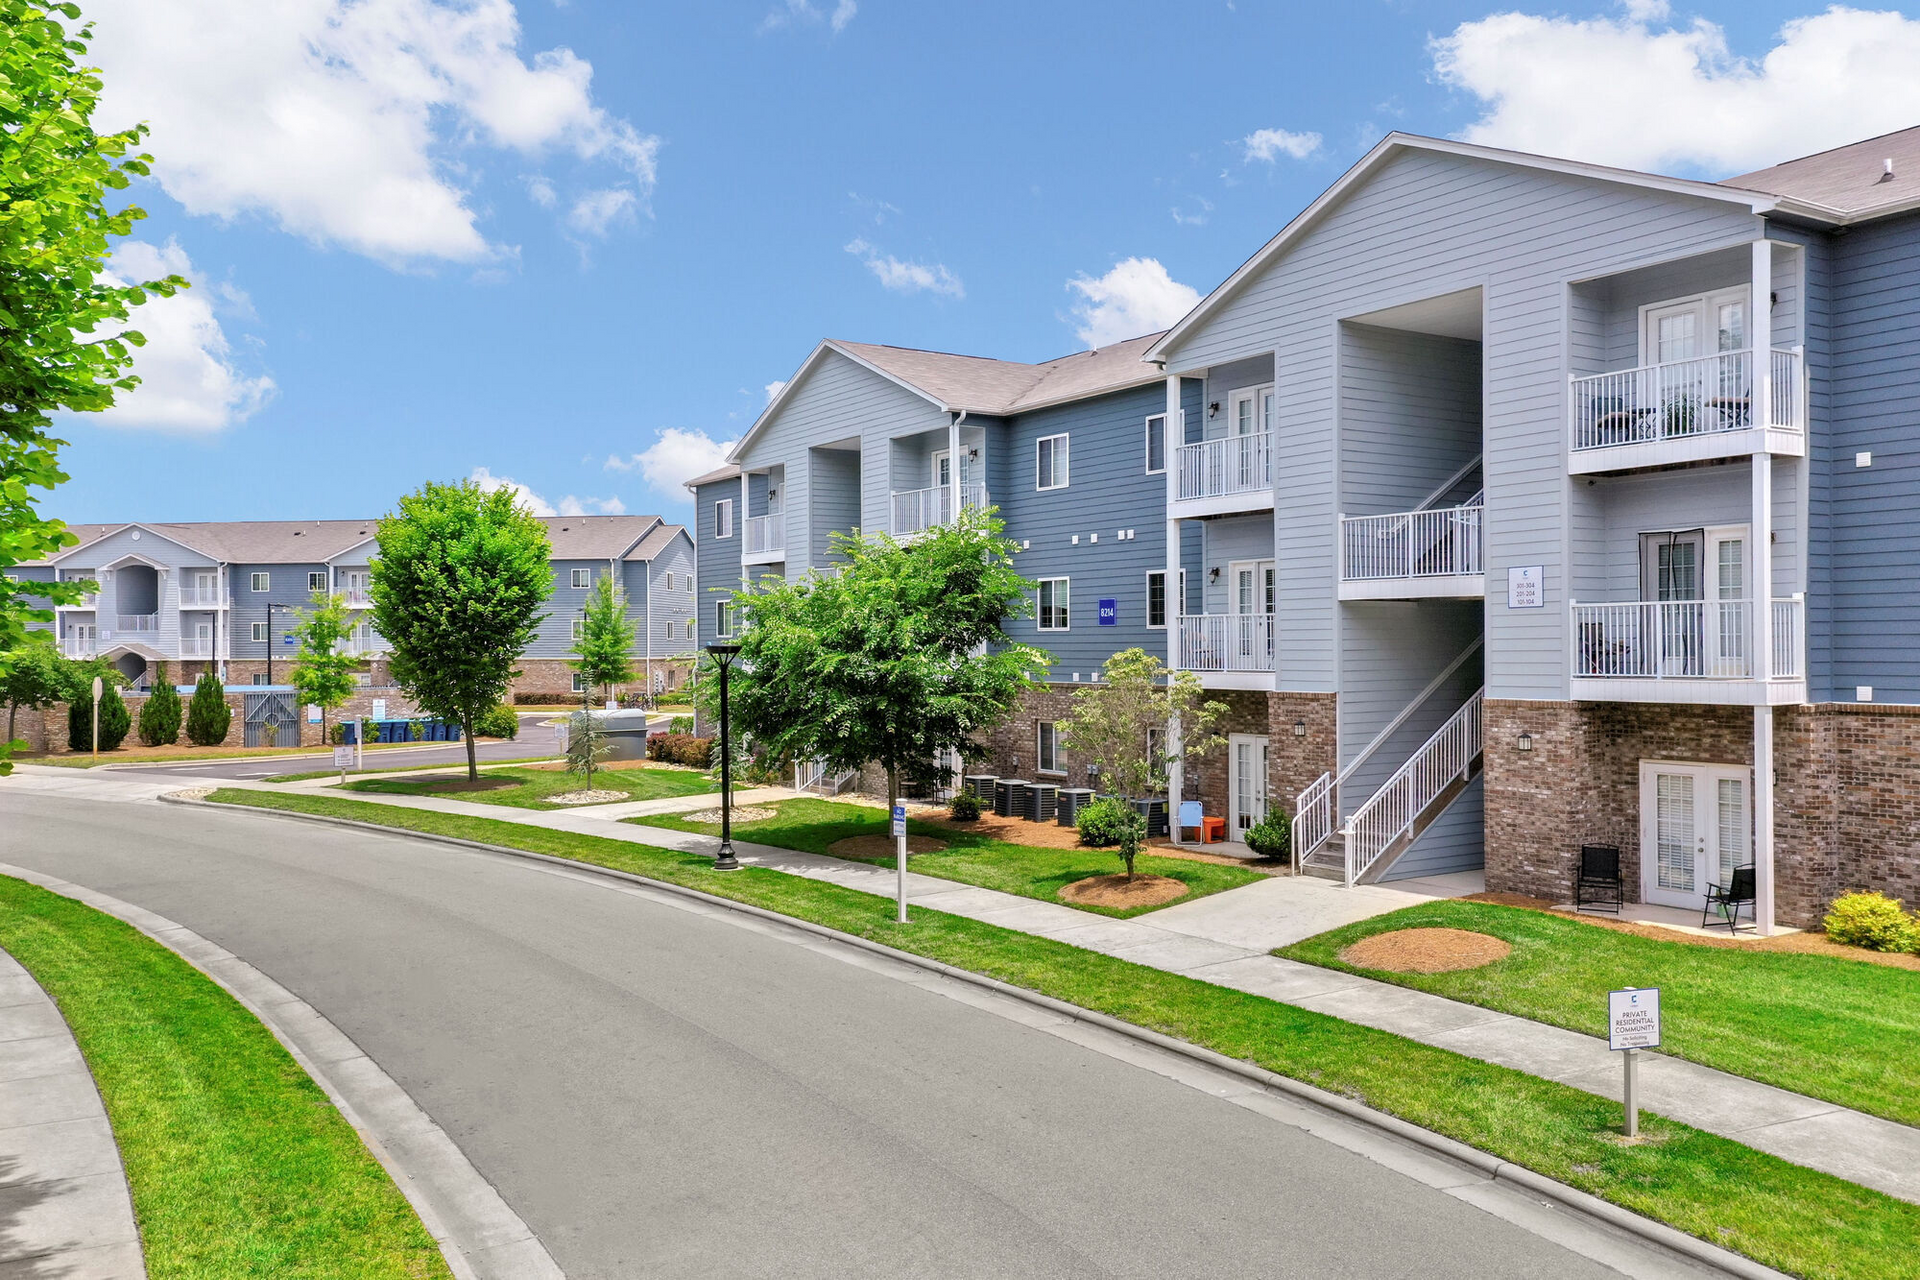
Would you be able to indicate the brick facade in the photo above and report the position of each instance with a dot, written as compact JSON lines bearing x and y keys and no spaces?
{"x":543,"y":680}
{"x":1295,"y":760}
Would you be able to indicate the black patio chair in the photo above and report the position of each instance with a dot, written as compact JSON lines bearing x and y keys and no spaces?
{"x":1598,"y":884}
{"x":1729,"y":899}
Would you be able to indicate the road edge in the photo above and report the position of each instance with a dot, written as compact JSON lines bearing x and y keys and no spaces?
{"x":1593,"y":1208}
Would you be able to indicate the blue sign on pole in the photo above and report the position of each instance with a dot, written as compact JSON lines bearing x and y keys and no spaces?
{"x":1109,"y":613}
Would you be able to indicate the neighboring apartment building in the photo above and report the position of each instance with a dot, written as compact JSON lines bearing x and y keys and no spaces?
{"x":1523,"y":504}
{"x":223,"y":595}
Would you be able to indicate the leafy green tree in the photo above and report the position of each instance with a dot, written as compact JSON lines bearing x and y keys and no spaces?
{"x":115,"y":719}
{"x":208,"y":715}
{"x":160,"y":717}
{"x":36,"y":678}
{"x":587,"y":744}
{"x":457,"y":589}
{"x":1121,"y":725}
{"x":894,"y":659}
{"x":63,"y":344}
{"x":606,"y":640}
{"x":323,"y":672}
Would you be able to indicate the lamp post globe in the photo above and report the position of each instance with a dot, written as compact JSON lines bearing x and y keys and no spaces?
{"x":724,"y":654}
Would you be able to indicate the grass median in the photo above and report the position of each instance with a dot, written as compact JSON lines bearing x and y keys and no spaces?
{"x":533,"y":788}
{"x":815,"y":826}
{"x":1824,"y":1026}
{"x":1781,"y":1214}
{"x":238,"y":1163}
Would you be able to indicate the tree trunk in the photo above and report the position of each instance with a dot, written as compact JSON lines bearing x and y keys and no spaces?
{"x":473,"y":761}
{"x":12,"y":709}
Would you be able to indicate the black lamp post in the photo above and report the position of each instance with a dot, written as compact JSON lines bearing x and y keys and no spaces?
{"x":283,"y":608}
{"x":724,"y":654}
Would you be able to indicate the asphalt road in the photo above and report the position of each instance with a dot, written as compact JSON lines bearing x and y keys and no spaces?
{"x":660,"y":1093}
{"x":535,"y":739}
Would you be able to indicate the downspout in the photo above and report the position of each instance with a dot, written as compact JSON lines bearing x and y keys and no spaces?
{"x":620,"y":588}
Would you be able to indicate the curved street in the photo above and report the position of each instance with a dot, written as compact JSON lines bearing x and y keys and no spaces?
{"x":663,"y":1091}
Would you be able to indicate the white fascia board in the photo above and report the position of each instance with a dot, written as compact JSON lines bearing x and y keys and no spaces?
{"x":146,"y":529}
{"x":820,"y":353}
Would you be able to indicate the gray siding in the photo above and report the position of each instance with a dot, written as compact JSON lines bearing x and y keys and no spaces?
{"x":1393,"y":650}
{"x":717,"y":559}
{"x":833,"y":507}
{"x":1455,"y":842}
{"x":1409,"y":416}
{"x":1226,"y":540}
{"x":286,"y":588}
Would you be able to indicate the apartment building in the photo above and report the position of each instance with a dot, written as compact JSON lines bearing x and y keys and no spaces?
{"x":1512,"y":504}
{"x":223,"y":596}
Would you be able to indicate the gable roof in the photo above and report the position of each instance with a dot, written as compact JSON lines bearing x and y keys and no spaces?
{"x":728,"y":472}
{"x":656,"y":541}
{"x":320,"y":541}
{"x":1851,"y":183}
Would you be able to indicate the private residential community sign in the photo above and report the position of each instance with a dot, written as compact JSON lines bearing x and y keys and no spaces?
{"x":1633,"y":1018}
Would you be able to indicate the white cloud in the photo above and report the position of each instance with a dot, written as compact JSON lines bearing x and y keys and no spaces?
{"x":1638,"y":93}
{"x":674,"y":457}
{"x":842,"y":15}
{"x":774,"y":388}
{"x":532,"y":501}
{"x":572,"y":506}
{"x":189,"y":381}
{"x":594,"y":212}
{"x":1270,"y":144}
{"x":907,"y":277}
{"x":1136,"y":297}
{"x":1194,"y":217}
{"x":352,"y":122}
{"x":542,"y":191}
{"x":794,"y":13}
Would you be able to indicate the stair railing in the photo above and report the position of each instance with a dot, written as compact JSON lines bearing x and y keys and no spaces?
{"x":1446,"y":757}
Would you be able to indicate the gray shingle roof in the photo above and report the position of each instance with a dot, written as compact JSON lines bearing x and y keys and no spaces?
{"x":655,"y":542}
{"x":1851,"y":180}
{"x":316,"y":541}
{"x":981,"y":385}
{"x":728,"y":472}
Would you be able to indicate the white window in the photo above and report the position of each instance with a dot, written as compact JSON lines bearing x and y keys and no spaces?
{"x":316,"y":581}
{"x":260,"y":633}
{"x":689,"y":628}
{"x":723,"y":619}
{"x":669,"y":626}
{"x":689,"y":586}
{"x":1156,"y":444}
{"x":1050,"y":463}
{"x":259,"y":677}
{"x":261,"y":582}
{"x":669,"y":579}
{"x":1047,"y":747}
{"x":579,"y":628}
{"x":579,"y":683}
{"x":723,"y":518}
{"x":1690,"y":328}
{"x":1053,"y":604}
{"x":1157,"y":599}
{"x":1251,"y":411}
{"x":1157,"y":748}
{"x":583,"y":577}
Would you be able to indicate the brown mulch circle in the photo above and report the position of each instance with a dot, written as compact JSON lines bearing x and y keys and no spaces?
{"x":1044,"y":835}
{"x":1122,"y":891}
{"x":741,"y":813}
{"x":1426,"y":951}
{"x":586,"y":797}
{"x":882,"y":846}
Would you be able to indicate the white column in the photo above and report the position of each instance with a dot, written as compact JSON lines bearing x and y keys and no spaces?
{"x":953,"y":464}
{"x":1176,"y":603}
{"x":1760,"y":566}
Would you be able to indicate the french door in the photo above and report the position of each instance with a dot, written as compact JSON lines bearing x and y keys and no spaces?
{"x":1699,"y":615}
{"x":1246,"y":783}
{"x":1252,"y":604}
{"x":1696,"y":826}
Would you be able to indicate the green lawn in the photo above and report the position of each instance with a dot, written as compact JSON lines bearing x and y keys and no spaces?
{"x":1028,"y":870}
{"x":532,"y":786}
{"x":1833,"y":1028}
{"x":238,"y":1164}
{"x":385,"y":767}
{"x":135,"y":755}
{"x":1786,"y":1216}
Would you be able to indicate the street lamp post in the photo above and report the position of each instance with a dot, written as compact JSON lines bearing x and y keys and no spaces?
{"x":724,"y":654}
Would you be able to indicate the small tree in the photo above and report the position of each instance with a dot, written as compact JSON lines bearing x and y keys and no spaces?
{"x":457,"y":588}
{"x":208,"y":715}
{"x":1121,"y":724}
{"x":897,"y":658}
{"x":36,"y":677}
{"x":160,"y":717}
{"x":587,"y":744}
{"x":115,"y":719}
{"x":606,"y":640}
{"x":322,"y":671}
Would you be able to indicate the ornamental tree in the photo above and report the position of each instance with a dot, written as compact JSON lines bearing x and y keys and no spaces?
{"x":606,"y":640}
{"x":160,"y":715}
{"x":115,"y":719}
{"x":37,"y":677}
{"x":323,"y":672}
{"x":894,"y":659}
{"x":588,"y":743}
{"x":63,"y":340}
{"x":208,"y":715}
{"x":457,"y":588}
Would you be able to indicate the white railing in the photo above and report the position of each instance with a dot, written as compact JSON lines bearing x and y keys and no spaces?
{"x":1789,"y":638}
{"x":811,"y":775}
{"x":1226,"y":642}
{"x":195,"y":647}
{"x":1682,"y":399}
{"x":1665,"y":640}
{"x":1312,"y":818}
{"x":137,"y":622}
{"x":357,"y":599}
{"x":1228,"y":465}
{"x":75,"y":647}
{"x":203,"y":598}
{"x":765,"y":533}
{"x":917,"y":510}
{"x":1445,"y":758}
{"x":1437,"y":542}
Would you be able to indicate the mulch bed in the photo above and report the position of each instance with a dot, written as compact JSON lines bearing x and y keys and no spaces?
{"x":741,"y":813}
{"x":882,"y":846}
{"x":587,"y":797}
{"x":1426,"y":951}
{"x":598,"y":765}
{"x":1122,"y":891}
{"x":1044,"y":835}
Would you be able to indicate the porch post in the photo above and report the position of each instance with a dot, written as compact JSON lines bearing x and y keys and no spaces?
{"x":1761,"y":566}
{"x":953,"y":463}
{"x":1176,"y":604}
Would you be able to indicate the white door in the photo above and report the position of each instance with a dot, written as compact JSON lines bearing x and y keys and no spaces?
{"x":203,"y":639}
{"x":1731,"y":625}
{"x":1696,"y":826}
{"x":1252,"y":604}
{"x":1246,"y":783}
{"x":205,"y":587}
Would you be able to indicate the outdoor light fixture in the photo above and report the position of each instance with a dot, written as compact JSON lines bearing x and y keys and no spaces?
{"x":724,"y":654}
{"x":1526,"y":741}
{"x":1213,"y":410}
{"x":1299,"y":728}
{"x":1213,"y":574}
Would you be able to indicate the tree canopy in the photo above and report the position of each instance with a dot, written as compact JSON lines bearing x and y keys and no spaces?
{"x":457,"y":588}
{"x":602,"y":653}
{"x":323,"y":672}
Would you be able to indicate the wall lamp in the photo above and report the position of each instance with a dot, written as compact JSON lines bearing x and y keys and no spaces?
{"x":1213,"y":574}
{"x":1526,"y":741}
{"x":1299,"y":728}
{"x":1213,"y":409}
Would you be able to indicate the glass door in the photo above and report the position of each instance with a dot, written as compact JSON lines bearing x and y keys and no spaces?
{"x":1247,"y":787}
{"x":1696,"y":827}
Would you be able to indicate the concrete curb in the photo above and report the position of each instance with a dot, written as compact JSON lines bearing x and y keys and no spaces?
{"x":478,"y":1234}
{"x":1492,"y":1167}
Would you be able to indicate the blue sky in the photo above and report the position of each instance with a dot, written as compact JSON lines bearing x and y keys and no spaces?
{"x":433,"y":237}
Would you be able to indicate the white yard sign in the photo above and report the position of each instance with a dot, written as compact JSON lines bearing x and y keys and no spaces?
{"x":343,"y":757}
{"x":1633,"y":1018}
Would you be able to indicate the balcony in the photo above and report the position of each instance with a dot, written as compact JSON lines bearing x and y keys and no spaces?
{"x":1230,"y":650}
{"x":196,"y":646}
{"x":361,"y":599}
{"x":1694,"y":651}
{"x":204,"y":598}
{"x":86,"y":604}
{"x":78,"y":646}
{"x":765,"y":538}
{"x":139,"y":623}
{"x":1233,"y":473}
{"x":1686,"y":411}
{"x":917,"y":510}
{"x":1437,"y":553}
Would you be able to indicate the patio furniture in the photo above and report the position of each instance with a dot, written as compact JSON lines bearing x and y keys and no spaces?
{"x":1190,"y":818}
{"x":1213,"y":830}
{"x":1598,"y":884}
{"x":1728,"y":900}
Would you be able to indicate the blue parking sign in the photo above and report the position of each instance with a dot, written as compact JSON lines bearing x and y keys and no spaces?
{"x":1109,"y":613}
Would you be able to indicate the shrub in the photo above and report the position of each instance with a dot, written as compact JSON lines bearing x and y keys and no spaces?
{"x":1272,"y":836}
{"x":1104,"y":821}
{"x":965,"y":808}
{"x":680,"y":724}
{"x":1873,"y":921}
{"x":500,"y":722}
{"x":337,"y":735}
{"x":115,"y":719}
{"x":160,"y":717}
{"x":208,"y":715}
{"x":680,"y":748}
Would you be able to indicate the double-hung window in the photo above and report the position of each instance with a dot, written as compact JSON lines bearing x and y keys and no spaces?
{"x":1156,"y":444}
{"x":669,"y":579}
{"x":1050,"y":463}
{"x":1053,"y":604}
{"x":1157,"y":599}
{"x":579,"y":628}
{"x":579,"y":683}
{"x":260,"y":633}
{"x":723,"y":619}
{"x":1047,"y":747}
{"x":316,"y":581}
{"x":583,"y":577}
{"x":262,"y":582}
{"x":723,"y":518}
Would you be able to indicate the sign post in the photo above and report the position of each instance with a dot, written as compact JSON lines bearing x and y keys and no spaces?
{"x":1633,"y":1024}
{"x":97,"y":690}
{"x":900,"y":857}
{"x":343,"y":760}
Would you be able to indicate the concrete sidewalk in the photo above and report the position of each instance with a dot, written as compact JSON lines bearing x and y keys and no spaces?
{"x":1865,"y":1149}
{"x":64,"y":1205}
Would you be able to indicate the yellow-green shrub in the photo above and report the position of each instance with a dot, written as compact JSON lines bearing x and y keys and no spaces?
{"x":1873,"y":921}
